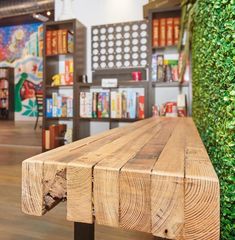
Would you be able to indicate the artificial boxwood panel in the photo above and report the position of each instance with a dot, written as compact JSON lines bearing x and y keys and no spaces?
{"x":213,"y":53}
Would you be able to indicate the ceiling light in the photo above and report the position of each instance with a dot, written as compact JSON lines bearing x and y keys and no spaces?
{"x":40,"y":17}
{"x":48,"y":13}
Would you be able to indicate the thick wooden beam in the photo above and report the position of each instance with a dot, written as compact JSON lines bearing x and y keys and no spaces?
{"x":167,"y":187}
{"x":135,"y":181}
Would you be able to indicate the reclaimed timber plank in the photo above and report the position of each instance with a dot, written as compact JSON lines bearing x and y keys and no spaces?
{"x":135,"y":181}
{"x":41,"y":173}
{"x":80,"y":174}
{"x":202,"y":191}
{"x":167,"y":187}
{"x":106,"y":177}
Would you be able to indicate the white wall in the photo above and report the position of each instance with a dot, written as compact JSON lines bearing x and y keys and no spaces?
{"x":97,"y":12}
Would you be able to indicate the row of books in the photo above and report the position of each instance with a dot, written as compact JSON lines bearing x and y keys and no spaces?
{"x":125,"y":104}
{"x":59,"y":106}
{"x":54,"y":136}
{"x":59,"y":42}
{"x":165,"y":32}
{"x":164,"y":69}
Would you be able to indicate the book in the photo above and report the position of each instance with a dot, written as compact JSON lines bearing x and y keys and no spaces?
{"x":105,"y":104}
{"x":69,"y":107}
{"x":114,"y":104}
{"x":60,"y":41}
{"x":49,"y":106}
{"x":64,"y":106}
{"x":54,"y":42}
{"x":54,"y":104}
{"x":176,"y":24}
{"x":124,"y":104}
{"x":131,"y":103}
{"x":94,"y":104}
{"x":155,"y":32}
{"x":162,"y":26}
{"x":49,"y":43}
{"x":169,"y":32}
{"x":119,"y":105}
{"x":67,"y":42}
{"x":141,"y":107}
{"x":47,"y":139}
{"x":59,"y":106}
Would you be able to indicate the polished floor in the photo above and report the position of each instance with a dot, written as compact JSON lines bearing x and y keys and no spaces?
{"x":18,"y":142}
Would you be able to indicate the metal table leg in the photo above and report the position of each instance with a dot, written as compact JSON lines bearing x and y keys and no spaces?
{"x":83,"y":231}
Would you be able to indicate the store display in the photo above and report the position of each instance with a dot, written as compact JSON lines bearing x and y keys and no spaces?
{"x":59,"y":42}
{"x":165,"y":32}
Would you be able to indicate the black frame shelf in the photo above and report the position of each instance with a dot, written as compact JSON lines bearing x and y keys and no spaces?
{"x":169,"y":84}
{"x":8,"y":113}
{"x":51,"y":68}
{"x":156,"y":86}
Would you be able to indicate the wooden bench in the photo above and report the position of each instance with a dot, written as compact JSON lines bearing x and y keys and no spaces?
{"x":152,"y":176}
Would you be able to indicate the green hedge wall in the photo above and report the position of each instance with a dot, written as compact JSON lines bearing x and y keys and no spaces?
{"x":213,"y":53}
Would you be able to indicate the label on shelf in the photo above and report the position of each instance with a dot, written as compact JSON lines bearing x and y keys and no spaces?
{"x":109,"y":82}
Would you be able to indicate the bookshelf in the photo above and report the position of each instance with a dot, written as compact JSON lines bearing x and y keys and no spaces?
{"x":165,"y":88}
{"x":118,"y":50}
{"x":64,"y":64}
{"x":6,"y":93}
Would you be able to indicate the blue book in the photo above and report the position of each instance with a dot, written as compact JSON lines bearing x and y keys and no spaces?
{"x":49,"y":105}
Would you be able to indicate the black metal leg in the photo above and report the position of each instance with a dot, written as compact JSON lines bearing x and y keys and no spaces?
{"x":83,"y":231}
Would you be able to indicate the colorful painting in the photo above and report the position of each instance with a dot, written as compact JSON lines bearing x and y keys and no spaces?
{"x":20,"y":49}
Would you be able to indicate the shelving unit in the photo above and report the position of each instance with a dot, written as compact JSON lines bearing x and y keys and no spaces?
{"x":6,"y":93}
{"x":160,"y":91}
{"x":56,"y":64}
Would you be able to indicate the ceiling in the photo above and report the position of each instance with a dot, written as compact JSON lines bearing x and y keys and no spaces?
{"x":14,"y":12}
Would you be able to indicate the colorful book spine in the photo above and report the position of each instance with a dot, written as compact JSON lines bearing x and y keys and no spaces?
{"x":155,"y":32}
{"x":113,"y":104}
{"x":169,"y":32}
{"x":162,"y":40}
{"x":69,"y":107}
{"x":49,"y":106}
{"x":64,"y":106}
{"x":82,"y":104}
{"x":49,"y":43}
{"x":176,"y":24}
{"x":105,"y":104}
{"x":54,"y":42}
{"x":59,"y":106}
{"x":88,"y":104}
{"x":124,"y":104}
{"x":119,"y":105}
{"x":131,"y":104}
{"x":99,"y":105}
{"x":60,"y":41}
{"x":55,"y":104}
{"x":141,"y":107}
{"x":94,"y":104}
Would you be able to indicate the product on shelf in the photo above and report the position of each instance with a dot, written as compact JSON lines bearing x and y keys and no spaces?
{"x":160,"y":68}
{"x":59,"y":106}
{"x":181,"y":105}
{"x":66,"y":77}
{"x":165,"y":32}
{"x":54,"y":136}
{"x":59,"y":42}
{"x":126,"y":104}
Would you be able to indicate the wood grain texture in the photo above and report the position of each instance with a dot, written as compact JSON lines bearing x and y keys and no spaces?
{"x":80,"y":173}
{"x":202,"y":202}
{"x":167,"y":187}
{"x":106,"y":175}
{"x":135,"y":187}
{"x":152,"y":176}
